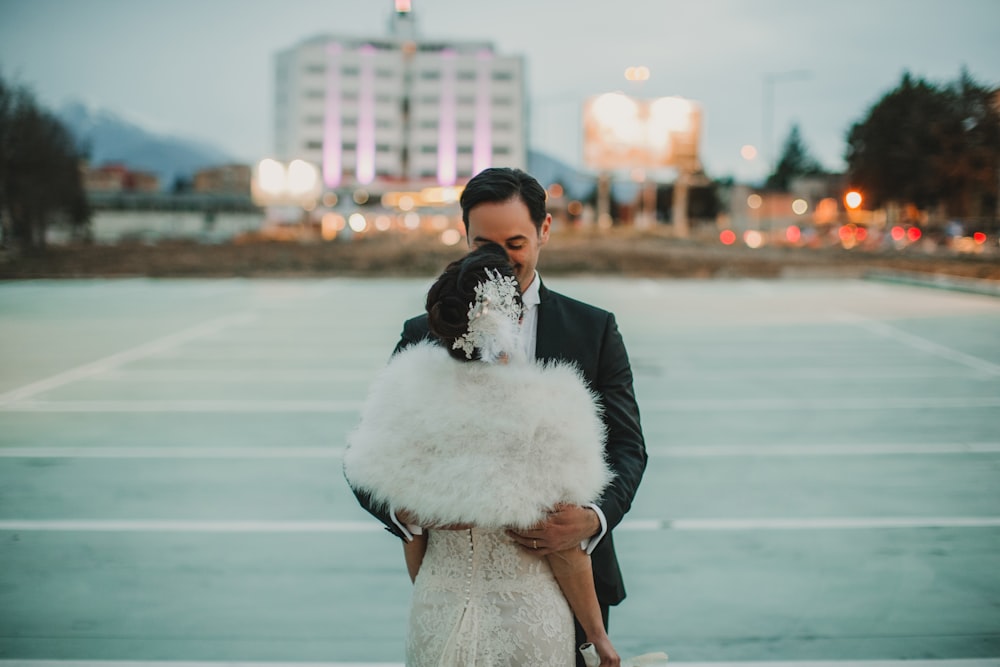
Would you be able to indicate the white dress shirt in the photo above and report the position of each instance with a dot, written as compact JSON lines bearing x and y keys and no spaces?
{"x":530,"y":298}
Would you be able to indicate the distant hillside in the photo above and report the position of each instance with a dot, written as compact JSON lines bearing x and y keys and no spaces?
{"x":107,"y":137}
{"x":548,"y":170}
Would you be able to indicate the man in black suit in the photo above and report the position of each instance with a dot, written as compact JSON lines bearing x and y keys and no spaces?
{"x":507,"y":207}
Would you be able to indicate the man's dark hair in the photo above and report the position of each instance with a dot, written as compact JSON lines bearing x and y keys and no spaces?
{"x":497,"y":185}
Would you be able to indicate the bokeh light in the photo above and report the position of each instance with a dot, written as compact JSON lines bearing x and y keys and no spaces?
{"x":357,"y":222}
{"x":727,"y":236}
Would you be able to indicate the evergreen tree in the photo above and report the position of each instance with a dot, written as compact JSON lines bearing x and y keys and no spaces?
{"x":926,"y":145}
{"x":40,"y":179}
{"x":795,"y":161}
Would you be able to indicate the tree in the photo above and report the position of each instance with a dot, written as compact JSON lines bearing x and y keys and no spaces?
{"x":926,"y":145}
{"x":795,"y":161}
{"x":40,"y":180}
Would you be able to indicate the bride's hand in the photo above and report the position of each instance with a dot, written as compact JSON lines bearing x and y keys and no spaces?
{"x":609,"y":657}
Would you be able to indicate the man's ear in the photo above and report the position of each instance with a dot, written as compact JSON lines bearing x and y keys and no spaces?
{"x":543,"y":231}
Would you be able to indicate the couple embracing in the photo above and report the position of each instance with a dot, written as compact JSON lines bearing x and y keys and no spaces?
{"x":502,"y":444}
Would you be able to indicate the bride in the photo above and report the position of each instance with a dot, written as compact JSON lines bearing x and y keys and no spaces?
{"x":469,"y":438}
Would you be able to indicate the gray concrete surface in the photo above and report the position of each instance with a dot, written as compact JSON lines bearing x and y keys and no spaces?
{"x":824,"y":481}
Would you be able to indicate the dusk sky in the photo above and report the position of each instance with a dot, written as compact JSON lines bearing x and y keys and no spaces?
{"x":204,"y":68}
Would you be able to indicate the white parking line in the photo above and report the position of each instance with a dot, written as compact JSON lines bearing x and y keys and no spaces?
{"x":717,"y":405}
{"x":919,"y":343}
{"x":967,"y":662}
{"x":108,"y":363}
{"x":676,"y":452}
{"x":630,"y":525}
{"x":723,"y":405}
{"x":223,"y":406}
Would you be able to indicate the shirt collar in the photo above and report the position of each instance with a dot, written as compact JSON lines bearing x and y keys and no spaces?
{"x":530,"y":297}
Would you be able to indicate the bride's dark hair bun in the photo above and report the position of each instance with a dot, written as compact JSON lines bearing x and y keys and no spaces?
{"x":450,"y":296}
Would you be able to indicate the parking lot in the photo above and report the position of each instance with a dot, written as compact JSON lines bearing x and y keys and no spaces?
{"x":823,"y":485}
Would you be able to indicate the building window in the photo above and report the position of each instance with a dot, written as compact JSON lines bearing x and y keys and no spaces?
{"x":314,"y":145}
{"x":383,"y":123}
{"x":430,"y":75}
{"x":350,"y":71}
{"x":315,"y":94}
{"x":502,"y":75}
{"x":314,"y":69}
{"x":465,"y":150}
{"x":502,"y":101}
{"x":428,"y":149}
{"x":502,"y":125}
{"x":384,"y":74}
{"x":383,"y":148}
{"x":314,"y":120}
{"x":466,"y":75}
{"x":466,"y":101}
{"x":428,"y":124}
{"x":501,"y":150}
{"x":349,"y":122}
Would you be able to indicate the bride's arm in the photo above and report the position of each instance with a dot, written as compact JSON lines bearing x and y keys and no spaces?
{"x":413,"y":551}
{"x":576,"y":579}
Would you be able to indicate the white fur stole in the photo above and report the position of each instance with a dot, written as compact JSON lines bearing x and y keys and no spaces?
{"x":469,"y":442}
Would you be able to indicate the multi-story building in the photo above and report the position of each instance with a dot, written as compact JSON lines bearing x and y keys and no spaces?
{"x":398,"y":112}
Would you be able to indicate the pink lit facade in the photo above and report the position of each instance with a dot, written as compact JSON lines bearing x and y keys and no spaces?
{"x":388,"y":113}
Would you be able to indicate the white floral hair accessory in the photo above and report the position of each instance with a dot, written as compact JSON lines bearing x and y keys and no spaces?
{"x":494,"y":320}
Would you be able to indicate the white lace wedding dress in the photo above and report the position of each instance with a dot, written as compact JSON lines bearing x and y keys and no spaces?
{"x":480,"y":600}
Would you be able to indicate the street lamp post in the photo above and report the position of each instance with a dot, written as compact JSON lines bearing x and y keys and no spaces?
{"x":767,"y":114}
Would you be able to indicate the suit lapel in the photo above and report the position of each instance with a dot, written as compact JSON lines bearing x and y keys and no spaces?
{"x":546,"y":337}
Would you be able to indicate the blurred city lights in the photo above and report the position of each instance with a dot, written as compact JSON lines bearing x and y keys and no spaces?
{"x":451,"y":236}
{"x":793,"y":233}
{"x":755,"y":201}
{"x":727,"y":236}
{"x":302,"y":177}
{"x":860,"y":233}
{"x":640,"y":73}
{"x":439,"y":222}
{"x":271,"y":176}
{"x":753,"y":238}
{"x":913,"y":234}
{"x":979,"y":237}
{"x":748,"y":152}
{"x":574,"y":208}
{"x":555,"y":191}
{"x":800,"y":206}
{"x":406,"y":203}
{"x":897,"y":233}
{"x":330,"y":199}
{"x":853,"y":199}
{"x":330,"y":224}
{"x":357,"y":222}
{"x":411,"y":220}
{"x":383,"y":223}
{"x":360,"y":197}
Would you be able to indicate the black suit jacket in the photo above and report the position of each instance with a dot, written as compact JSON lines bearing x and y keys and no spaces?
{"x":570,"y":330}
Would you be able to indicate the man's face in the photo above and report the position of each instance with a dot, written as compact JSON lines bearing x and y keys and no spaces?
{"x":508,"y":224}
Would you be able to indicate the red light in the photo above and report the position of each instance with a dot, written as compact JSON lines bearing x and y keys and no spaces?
{"x":913,"y":234}
{"x":898,"y":233}
{"x":979,"y":238}
{"x":861,"y":233}
{"x":846,"y":232}
{"x":793,"y":233}
{"x":728,"y":236}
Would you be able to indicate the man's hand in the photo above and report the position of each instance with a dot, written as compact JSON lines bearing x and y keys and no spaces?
{"x":565,"y":527}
